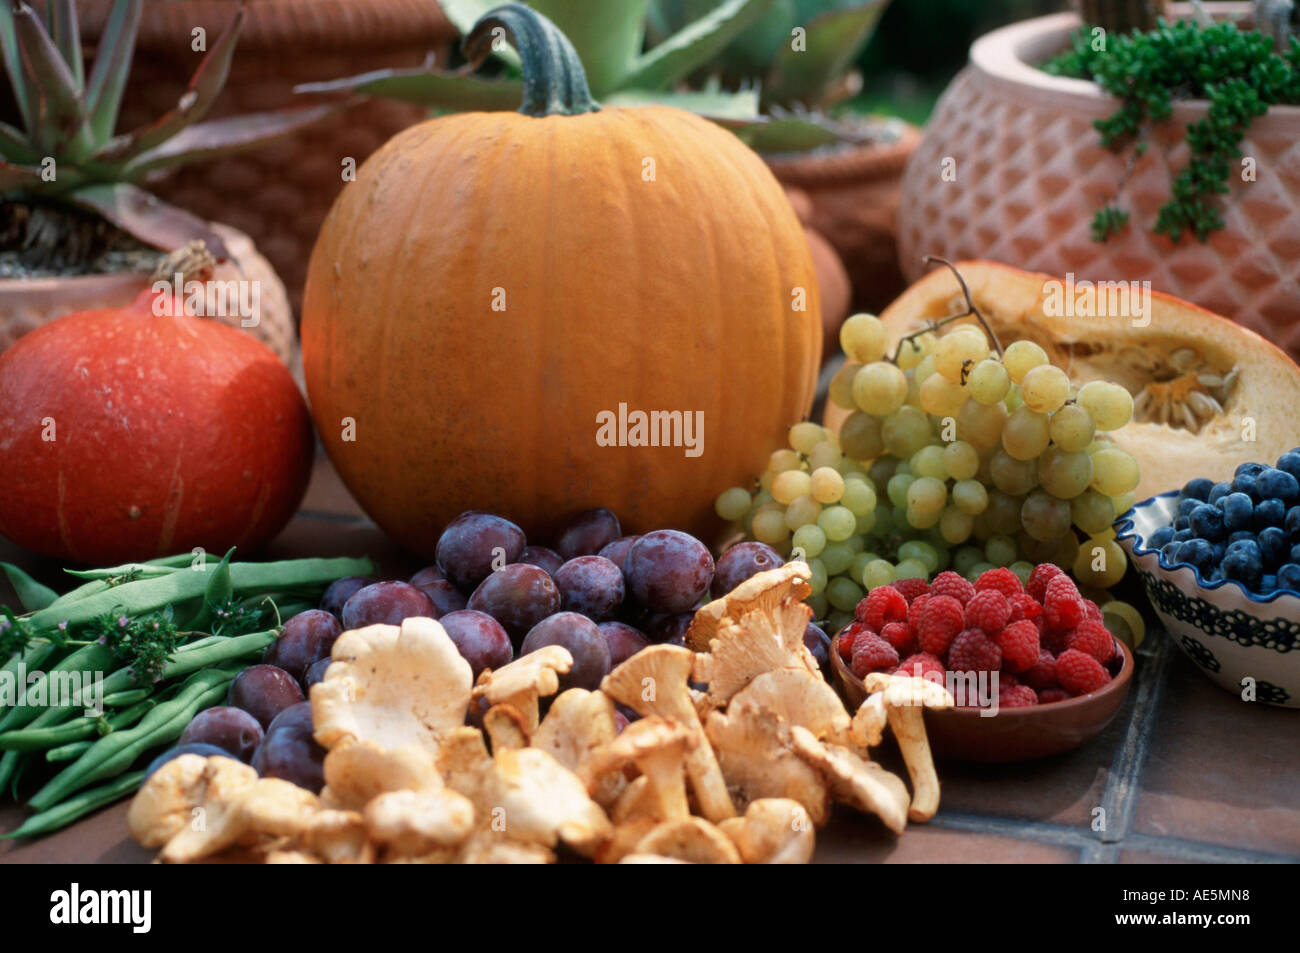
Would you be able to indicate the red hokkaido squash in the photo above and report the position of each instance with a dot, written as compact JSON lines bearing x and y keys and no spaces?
{"x":493,"y":286}
{"x":127,"y":434}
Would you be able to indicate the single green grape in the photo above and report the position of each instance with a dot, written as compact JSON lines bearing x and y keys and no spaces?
{"x":959,"y":351}
{"x":897,"y":489}
{"x":881,"y":470}
{"x":837,"y":558}
{"x":861,"y":436}
{"x":970,"y":496}
{"x":1045,"y":517}
{"x":966,"y":557}
{"x":859,"y":564}
{"x":863,"y":338}
{"x":810,"y":539}
{"x":1023,"y":571}
{"x":859,"y":497}
{"x":914,"y":351}
{"x":837,"y":523}
{"x":981,"y":426}
{"x":926,"y":495}
{"x":1026,"y":434}
{"x":1000,"y":550}
{"x":827,"y":485}
{"x":989,"y":381}
{"x":1072,"y":428}
{"x":826,"y":455}
{"x":930,"y":462}
{"x":806,"y":435}
{"x":956,"y":524}
{"x":733,"y":504}
{"x":1045,"y":388}
{"x":789,"y":485}
{"x":817,"y":576}
{"x":1114,"y":472}
{"x":961,"y":461}
{"x":979,"y":569}
{"x":865,"y":523}
{"x":1111,"y":405}
{"x":942,"y":397}
{"x":1022,"y":356}
{"x":843,"y":594}
{"x":1016,"y":477}
{"x":782,"y":460}
{"x":879,"y":388}
{"x":1064,"y":474}
{"x":768,"y":526}
{"x":841,"y":387}
{"x":922,"y":551}
{"x":878,"y":572}
{"x":911,"y":569}
{"x":801,"y":512}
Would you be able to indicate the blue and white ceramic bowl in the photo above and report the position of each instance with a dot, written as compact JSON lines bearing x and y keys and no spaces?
{"x":1234,"y":635}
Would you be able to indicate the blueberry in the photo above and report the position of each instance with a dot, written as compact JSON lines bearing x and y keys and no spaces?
{"x":1250,"y":468}
{"x":1181,"y":524}
{"x":1187,"y":504}
{"x":1237,"y":510}
{"x":1272,"y":547}
{"x":1269,"y":512}
{"x":1267,"y":582}
{"x":1160,"y":537}
{"x":1246,"y":483}
{"x":1197,"y":552}
{"x":1219,"y":492}
{"x":1248,"y":546}
{"x":1292,"y":522}
{"x":1207,"y":522}
{"x":1241,"y":534}
{"x":1198,"y":489}
{"x":1184,"y":534}
{"x":1242,"y":567}
{"x":1278,"y":483}
{"x":1219,"y":549}
{"x":1288,"y":577}
{"x":1289,"y":462}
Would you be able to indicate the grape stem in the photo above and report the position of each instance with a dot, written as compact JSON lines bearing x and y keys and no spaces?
{"x":971,"y":311}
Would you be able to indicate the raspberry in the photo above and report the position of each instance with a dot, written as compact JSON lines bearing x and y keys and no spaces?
{"x":1092,"y":609}
{"x":911,"y":588}
{"x":922,"y":665}
{"x":1054,"y":640}
{"x":1092,"y":637}
{"x":1017,"y":696}
{"x":948,"y":583}
{"x":988,"y":610}
{"x":1062,"y":604}
{"x":1054,"y":694}
{"x":1023,"y":606}
{"x":1003,"y":580}
{"x":847,"y":635}
{"x":899,"y":635}
{"x":914,"y":611}
{"x":883,"y":604}
{"x":973,"y":651}
{"x":1080,"y":673}
{"x":1006,"y":679}
{"x":1019,"y":645}
{"x":1043,"y":673}
{"x":861,"y":635}
{"x":871,"y":653}
{"x":941,"y":620}
{"x":1038,"y":579}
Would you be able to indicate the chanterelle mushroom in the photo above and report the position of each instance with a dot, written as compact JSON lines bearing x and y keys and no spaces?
{"x":656,"y":681}
{"x":216,"y":820}
{"x":392,"y":686}
{"x":525,"y":680}
{"x":761,"y":631}
{"x":542,"y":801}
{"x":691,"y":839}
{"x":356,"y":772}
{"x":410,"y":823}
{"x":762,"y":593}
{"x":904,"y":697}
{"x":861,"y":784}
{"x":506,"y":727}
{"x":578,"y":723}
{"x":163,"y":805}
{"x":753,"y":747}
{"x":799,"y":698}
{"x":657,"y":748}
{"x":773,"y":831}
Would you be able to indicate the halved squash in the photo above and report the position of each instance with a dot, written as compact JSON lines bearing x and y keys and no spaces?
{"x":1208,"y":393}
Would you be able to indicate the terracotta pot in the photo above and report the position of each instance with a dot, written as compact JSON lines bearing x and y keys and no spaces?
{"x":855,"y":195}
{"x":279,"y":195}
{"x":1030,"y":172}
{"x":832,"y":279}
{"x":26,"y":304}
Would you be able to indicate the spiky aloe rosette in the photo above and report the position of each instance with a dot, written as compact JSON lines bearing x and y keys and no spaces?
{"x":67,"y":152}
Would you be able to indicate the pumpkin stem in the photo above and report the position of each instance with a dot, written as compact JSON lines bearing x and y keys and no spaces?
{"x":555,"y":83}
{"x":192,"y":261}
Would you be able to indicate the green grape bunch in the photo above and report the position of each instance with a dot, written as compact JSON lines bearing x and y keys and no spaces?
{"x":955,"y":454}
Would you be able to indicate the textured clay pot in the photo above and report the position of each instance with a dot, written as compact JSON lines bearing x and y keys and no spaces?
{"x":26,"y":304}
{"x":279,"y":194}
{"x":855,"y":196}
{"x":1029,"y":172}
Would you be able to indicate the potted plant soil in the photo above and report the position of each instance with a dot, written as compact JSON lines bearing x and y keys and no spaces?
{"x":78,"y":231}
{"x":1013,"y":168}
{"x":285,"y":191}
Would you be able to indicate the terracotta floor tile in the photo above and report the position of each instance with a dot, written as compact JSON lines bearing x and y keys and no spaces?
{"x":326,"y":492}
{"x":1220,"y":770}
{"x":854,"y":839}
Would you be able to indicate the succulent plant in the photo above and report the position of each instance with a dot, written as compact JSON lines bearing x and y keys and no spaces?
{"x":67,"y":152}
{"x":609,"y":36}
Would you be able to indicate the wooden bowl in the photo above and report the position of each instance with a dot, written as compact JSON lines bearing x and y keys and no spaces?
{"x":1013,"y":734}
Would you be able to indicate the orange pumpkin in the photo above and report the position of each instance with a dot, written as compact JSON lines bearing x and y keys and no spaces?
{"x":494,"y":287}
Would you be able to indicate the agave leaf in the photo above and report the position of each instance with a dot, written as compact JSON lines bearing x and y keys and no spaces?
{"x":735,"y":110}
{"x":203,"y":88}
{"x":61,"y":125}
{"x":148,"y":218}
{"x":25,"y":96}
{"x":833,"y":42}
{"x":219,"y":137}
{"x":14,"y":145}
{"x":608,"y":36}
{"x":112,"y":64}
{"x":14,"y":177}
{"x":787,"y":134}
{"x":62,"y":15}
{"x":694,"y":45}
{"x":424,"y":86}
{"x":463,"y":14}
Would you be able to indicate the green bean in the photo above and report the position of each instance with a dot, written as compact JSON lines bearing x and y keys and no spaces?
{"x":31,"y":594}
{"x":100,"y":585}
{"x":68,"y":752}
{"x":114,"y":753}
{"x":128,"y":697}
{"x":149,"y":595}
{"x":8,"y":763}
{"x":89,"y":658}
{"x":77,"y":807}
{"x":133,"y":570}
{"x":30,"y":660}
{"x":50,"y":736}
